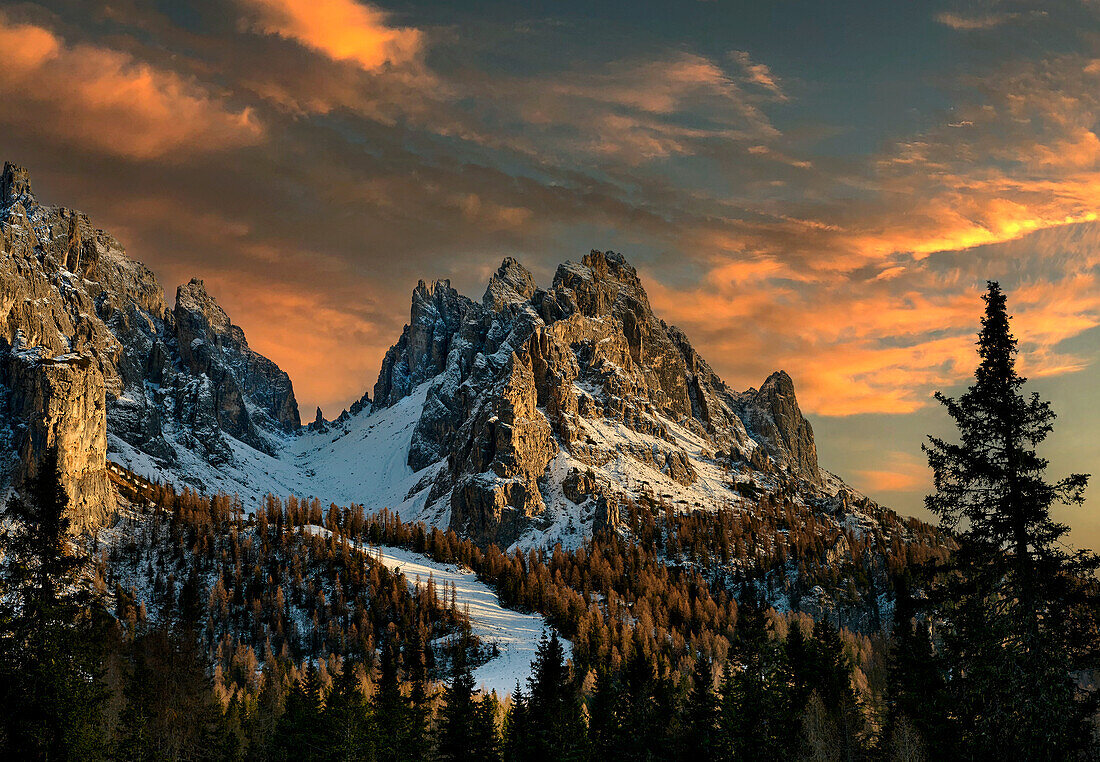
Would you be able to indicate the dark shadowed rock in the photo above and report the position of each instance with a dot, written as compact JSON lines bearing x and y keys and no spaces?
{"x":318,"y":424}
{"x":775,"y":416}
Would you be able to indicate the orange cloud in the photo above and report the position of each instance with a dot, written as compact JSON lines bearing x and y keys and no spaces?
{"x":901,"y":472}
{"x":331,"y":354}
{"x":343,"y":30}
{"x":104,"y":99}
{"x":865,"y":344}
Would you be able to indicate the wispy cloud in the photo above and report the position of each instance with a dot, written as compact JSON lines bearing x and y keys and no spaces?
{"x":973,"y":22}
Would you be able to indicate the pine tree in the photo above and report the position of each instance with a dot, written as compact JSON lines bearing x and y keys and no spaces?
{"x":699,"y":715}
{"x":556,"y":730}
{"x":485,"y":742}
{"x":916,"y":699}
{"x":51,"y":630}
{"x":605,"y":729}
{"x":756,"y":713}
{"x":646,"y":708}
{"x":836,"y":691}
{"x":296,"y":735}
{"x":168,"y":680}
{"x":1007,"y":602}
{"x":419,"y":717}
{"x":459,"y":716}
{"x":390,"y":711}
{"x":348,"y":732}
{"x":516,"y":734}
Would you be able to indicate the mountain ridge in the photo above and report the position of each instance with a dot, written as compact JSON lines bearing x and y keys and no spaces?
{"x":531,"y":417}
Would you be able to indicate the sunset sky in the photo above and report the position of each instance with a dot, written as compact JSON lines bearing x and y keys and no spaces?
{"x":822,"y":187}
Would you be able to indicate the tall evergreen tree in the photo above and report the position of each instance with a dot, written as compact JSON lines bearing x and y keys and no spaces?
{"x":756,"y":714}
{"x":168,"y":680}
{"x":347,"y":725}
{"x":297,"y":735}
{"x":917,"y":707}
{"x":485,"y":741}
{"x":699,"y":715}
{"x":646,"y":708}
{"x":417,"y":739}
{"x":516,"y":731}
{"x":605,"y":728}
{"x":391,"y":711}
{"x":458,"y":720}
{"x":51,"y":630}
{"x":1007,"y":602}
{"x":556,"y":728}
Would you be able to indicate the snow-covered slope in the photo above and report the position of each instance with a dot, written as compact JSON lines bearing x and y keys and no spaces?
{"x":515,"y":634}
{"x":364,"y":460}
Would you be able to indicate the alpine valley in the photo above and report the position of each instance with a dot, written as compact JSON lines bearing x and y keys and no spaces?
{"x":531,"y":417}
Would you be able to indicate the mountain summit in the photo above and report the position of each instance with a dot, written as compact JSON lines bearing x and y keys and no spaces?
{"x":549,"y":407}
{"x":530,"y":417}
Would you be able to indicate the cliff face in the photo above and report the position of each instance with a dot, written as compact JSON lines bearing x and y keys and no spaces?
{"x":93,"y":359}
{"x":59,"y":403}
{"x":572,"y":393}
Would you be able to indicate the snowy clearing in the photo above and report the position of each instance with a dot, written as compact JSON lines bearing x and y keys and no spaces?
{"x":516,"y":634}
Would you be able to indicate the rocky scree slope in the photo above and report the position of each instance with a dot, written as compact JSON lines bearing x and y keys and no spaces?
{"x":93,"y":360}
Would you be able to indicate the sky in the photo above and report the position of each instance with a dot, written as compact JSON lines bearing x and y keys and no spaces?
{"x":819,"y":187}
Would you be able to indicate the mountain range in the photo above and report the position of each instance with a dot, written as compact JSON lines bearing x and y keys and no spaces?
{"x":529,"y":417}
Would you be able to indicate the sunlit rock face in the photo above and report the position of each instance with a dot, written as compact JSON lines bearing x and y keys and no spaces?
{"x":59,"y":403}
{"x":94,"y":360}
{"x":556,"y":404}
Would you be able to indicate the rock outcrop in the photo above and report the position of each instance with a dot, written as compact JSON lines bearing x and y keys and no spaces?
{"x":773,"y":413}
{"x":172,"y":383}
{"x":59,"y":403}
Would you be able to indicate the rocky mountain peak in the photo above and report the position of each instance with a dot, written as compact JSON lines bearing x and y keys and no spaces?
{"x":512,"y":283}
{"x":435,"y":317}
{"x":193,"y":298}
{"x":15,"y":185}
{"x":211,"y":345}
{"x":786,"y":428}
{"x":779,"y":384}
{"x":115,"y":366}
{"x":535,"y":397}
{"x":601,"y":280}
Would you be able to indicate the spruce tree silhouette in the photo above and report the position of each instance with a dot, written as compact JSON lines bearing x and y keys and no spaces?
{"x":1012,"y":593}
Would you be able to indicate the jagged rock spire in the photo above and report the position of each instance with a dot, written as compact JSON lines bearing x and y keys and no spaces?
{"x":15,"y":185}
{"x":512,"y":283}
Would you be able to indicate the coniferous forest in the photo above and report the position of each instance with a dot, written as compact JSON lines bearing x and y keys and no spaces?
{"x":191,"y":630}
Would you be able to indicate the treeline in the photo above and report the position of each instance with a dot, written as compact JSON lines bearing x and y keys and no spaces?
{"x":663,"y":666}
